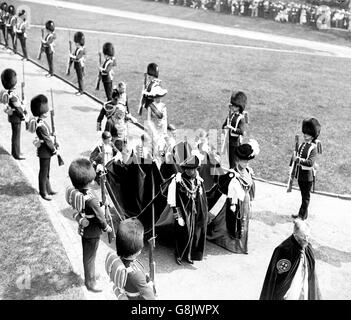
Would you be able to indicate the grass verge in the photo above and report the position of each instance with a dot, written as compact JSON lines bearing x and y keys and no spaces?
{"x":34,"y":265}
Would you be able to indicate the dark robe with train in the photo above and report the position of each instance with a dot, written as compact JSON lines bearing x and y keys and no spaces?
{"x":282,"y":270}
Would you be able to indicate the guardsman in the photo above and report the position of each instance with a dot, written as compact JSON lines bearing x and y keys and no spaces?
{"x":235,"y":123}
{"x":150,"y":80}
{"x":11,"y":27}
{"x":48,"y":45}
{"x":305,"y":160}
{"x":106,"y":69}
{"x":79,"y":60}
{"x":15,"y":110}
{"x":82,"y":175}
{"x":44,"y":144}
{"x":3,"y":20}
{"x":21,"y":32}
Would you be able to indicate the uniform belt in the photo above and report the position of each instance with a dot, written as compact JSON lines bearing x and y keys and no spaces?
{"x":89,"y":216}
{"x":306,"y":168}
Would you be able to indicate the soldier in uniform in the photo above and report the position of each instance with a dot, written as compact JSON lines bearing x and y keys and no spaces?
{"x":21,"y":32}
{"x":129,"y":244}
{"x":235,"y":123}
{"x":305,"y":160}
{"x":44,"y":143}
{"x":150,"y":80}
{"x":79,"y":60}
{"x":3,"y":20}
{"x":48,"y":46}
{"x":11,"y":26}
{"x":82,"y":175}
{"x":106,"y":70}
{"x":15,"y":110}
{"x":187,"y":198}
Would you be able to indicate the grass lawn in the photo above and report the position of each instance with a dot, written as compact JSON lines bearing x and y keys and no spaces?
{"x":282,"y":88}
{"x":30,"y":249}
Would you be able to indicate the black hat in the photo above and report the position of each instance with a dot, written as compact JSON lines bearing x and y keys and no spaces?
{"x":106,"y":135}
{"x":4,"y":6}
{"x":115,"y":94}
{"x":192,"y":162}
{"x":244,"y":152}
{"x":239,"y":99}
{"x":50,"y":25}
{"x":11,"y":10}
{"x":79,"y":38}
{"x":39,"y":105}
{"x":129,"y":237}
{"x":8,"y":78}
{"x":108,"y":49}
{"x":312,"y":127}
{"x":21,"y":13}
{"x":171,"y":127}
{"x":152,"y":70}
{"x":81,"y":172}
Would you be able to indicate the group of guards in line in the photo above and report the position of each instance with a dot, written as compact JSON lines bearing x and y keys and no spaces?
{"x":195,"y":219}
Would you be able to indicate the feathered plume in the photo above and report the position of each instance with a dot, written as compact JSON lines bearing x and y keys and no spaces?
{"x":255,"y":147}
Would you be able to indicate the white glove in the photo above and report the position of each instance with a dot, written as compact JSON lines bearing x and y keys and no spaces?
{"x":99,"y":167}
{"x":181,"y":222}
{"x":108,"y":229}
{"x":233,"y":207}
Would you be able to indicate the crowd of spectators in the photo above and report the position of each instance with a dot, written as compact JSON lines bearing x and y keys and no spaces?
{"x":320,"y":16}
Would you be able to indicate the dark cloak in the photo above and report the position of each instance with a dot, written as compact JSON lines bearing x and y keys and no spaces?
{"x":277,"y":284}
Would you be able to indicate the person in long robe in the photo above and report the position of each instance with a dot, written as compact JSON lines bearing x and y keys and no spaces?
{"x":187,"y":198}
{"x":291,"y":273}
{"x":229,"y":202}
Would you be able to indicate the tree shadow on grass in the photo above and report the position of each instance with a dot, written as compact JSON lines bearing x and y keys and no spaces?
{"x":271,"y":218}
{"x":17,"y":189}
{"x":331,"y":255}
{"x":3,"y":151}
{"x":43,"y":285}
{"x":84,"y":109}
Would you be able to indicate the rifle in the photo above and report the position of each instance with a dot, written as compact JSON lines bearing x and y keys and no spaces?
{"x":293,"y":165}
{"x":142,"y":99}
{"x":152,"y":245}
{"x":226,"y":134}
{"x":108,"y":217}
{"x":70,"y":60}
{"x":53,"y":133}
{"x":41,"y":48}
{"x":26,"y":116}
{"x":98,"y":80}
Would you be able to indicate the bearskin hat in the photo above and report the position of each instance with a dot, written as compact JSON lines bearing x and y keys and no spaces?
{"x":81,"y":172}
{"x":312,"y":127}
{"x":79,"y":38}
{"x":152,"y":70}
{"x":108,"y":49}
{"x":192,"y":162}
{"x":239,"y":100}
{"x":11,"y":10}
{"x":4,"y":6}
{"x":8,"y":78}
{"x":50,"y":25}
{"x":39,"y":105}
{"x":129,"y":237}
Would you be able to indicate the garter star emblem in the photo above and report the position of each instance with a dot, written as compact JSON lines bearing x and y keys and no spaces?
{"x":283,"y":265}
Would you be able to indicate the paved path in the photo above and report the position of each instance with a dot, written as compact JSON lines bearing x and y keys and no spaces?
{"x":336,"y":50}
{"x":221,"y":275}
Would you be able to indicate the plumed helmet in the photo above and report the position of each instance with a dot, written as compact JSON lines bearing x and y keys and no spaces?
{"x":244,"y":152}
{"x":81,"y":172}
{"x":4,"y":6}
{"x":50,"y":25}
{"x":39,"y":105}
{"x":192,"y":162}
{"x":312,"y":127}
{"x":239,"y":99}
{"x":129,"y":237}
{"x":21,"y":13}
{"x":8,"y":78}
{"x":79,"y":38}
{"x":152,"y":70}
{"x":11,"y":10}
{"x":108,"y":49}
